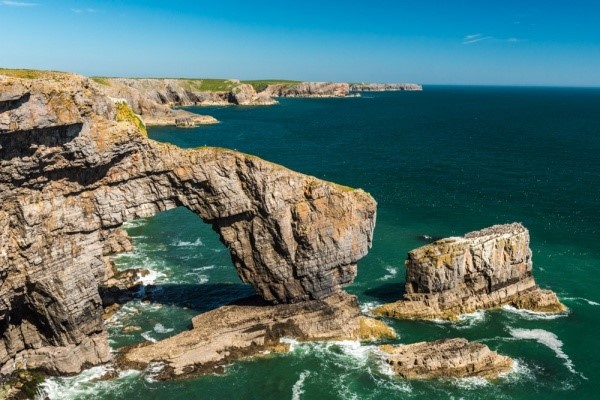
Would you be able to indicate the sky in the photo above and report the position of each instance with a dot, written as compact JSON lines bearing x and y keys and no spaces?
{"x":550,"y":42}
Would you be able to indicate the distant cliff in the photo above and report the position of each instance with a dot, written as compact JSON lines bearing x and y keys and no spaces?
{"x":384,"y":87}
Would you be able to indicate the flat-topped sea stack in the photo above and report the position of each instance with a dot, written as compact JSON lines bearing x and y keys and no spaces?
{"x":75,"y":164}
{"x":484,"y":269}
{"x":446,"y":358}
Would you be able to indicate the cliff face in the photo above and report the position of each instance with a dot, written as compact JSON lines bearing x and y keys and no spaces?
{"x":483,"y":269}
{"x":309,"y":89}
{"x":384,"y":87}
{"x":71,"y":174}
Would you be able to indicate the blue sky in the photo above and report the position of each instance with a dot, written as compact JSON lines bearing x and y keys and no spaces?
{"x":551,"y":42}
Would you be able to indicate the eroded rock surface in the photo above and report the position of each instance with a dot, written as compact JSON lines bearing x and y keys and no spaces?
{"x":447,"y":358}
{"x":70,"y":175}
{"x":251,"y":327}
{"x":483,"y":269}
{"x":384,"y":87}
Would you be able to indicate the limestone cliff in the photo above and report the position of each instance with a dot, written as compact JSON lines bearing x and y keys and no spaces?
{"x":309,"y":89}
{"x":483,"y":269}
{"x":72,"y":172}
{"x":384,"y":87}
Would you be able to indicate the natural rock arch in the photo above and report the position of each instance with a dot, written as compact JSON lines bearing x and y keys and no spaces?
{"x":70,"y":175}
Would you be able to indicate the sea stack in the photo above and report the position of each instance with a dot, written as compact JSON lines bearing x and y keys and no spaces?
{"x":484,"y":269}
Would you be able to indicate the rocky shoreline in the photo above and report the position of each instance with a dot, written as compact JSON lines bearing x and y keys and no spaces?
{"x":75,"y":165}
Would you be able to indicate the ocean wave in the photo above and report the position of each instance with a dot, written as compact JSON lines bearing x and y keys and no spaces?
{"x":136,"y":223}
{"x":392,"y":272}
{"x":84,"y":385}
{"x":469,"y":320}
{"x":152,"y":370}
{"x":160,"y":328}
{"x":519,"y":372}
{"x":366,"y":307}
{"x":298,"y":388}
{"x":146,"y":335}
{"x":590,"y":302}
{"x":549,"y":340}
{"x":533,"y":315}
{"x":182,"y":243}
{"x":470,"y":383}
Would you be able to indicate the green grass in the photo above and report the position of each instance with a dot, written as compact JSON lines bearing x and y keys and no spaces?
{"x":261,"y":84}
{"x":22,"y":73}
{"x":101,"y":81}
{"x":209,"y":85}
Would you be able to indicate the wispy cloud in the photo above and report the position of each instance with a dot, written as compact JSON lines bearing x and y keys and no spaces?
{"x":84,"y":10}
{"x":478,"y":37}
{"x":18,"y":4}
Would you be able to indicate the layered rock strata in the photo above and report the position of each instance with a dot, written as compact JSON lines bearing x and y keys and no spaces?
{"x":71,"y":174}
{"x":251,"y":327}
{"x":384,"y":87}
{"x":447,"y":358}
{"x":484,"y":269}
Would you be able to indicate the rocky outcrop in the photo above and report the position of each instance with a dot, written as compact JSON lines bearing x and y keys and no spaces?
{"x":71,"y":174}
{"x":251,"y":327}
{"x":384,"y":87}
{"x":448,"y":358}
{"x":309,"y":89}
{"x":152,"y":99}
{"x":143,"y":94}
{"x":484,"y":269}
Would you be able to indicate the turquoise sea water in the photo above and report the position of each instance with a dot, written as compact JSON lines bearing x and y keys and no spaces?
{"x":440,"y":162}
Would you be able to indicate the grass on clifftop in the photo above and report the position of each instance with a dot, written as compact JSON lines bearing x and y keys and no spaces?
{"x":100,"y":80}
{"x":261,"y":84}
{"x":22,"y":73}
{"x":125,"y":113}
{"x":209,"y":85}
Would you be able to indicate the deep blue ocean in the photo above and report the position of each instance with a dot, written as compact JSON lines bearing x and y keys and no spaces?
{"x":440,"y":162}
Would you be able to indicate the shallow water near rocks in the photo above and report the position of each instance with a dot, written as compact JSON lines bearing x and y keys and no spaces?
{"x":440,"y":162}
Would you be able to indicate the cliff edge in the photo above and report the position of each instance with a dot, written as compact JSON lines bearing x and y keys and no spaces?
{"x":75,"y":165}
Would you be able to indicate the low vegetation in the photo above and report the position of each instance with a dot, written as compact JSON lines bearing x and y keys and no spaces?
{"x":22,"y":73}
{"x":260,"y":85}
{"x":101,"y":81}
{"x":125,"y":113}
{"x":209,"y":85}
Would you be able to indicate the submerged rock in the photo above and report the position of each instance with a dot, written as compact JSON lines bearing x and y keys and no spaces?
{"x":448,"y":358}
{"x":71,"y":173}
{"x":251,"y":327}
{"x":484,"y":269}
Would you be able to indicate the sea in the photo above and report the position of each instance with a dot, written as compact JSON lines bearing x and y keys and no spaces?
{"x":441,"y":162}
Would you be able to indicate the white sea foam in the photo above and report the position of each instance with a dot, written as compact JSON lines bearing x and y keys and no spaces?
{"x":152,"y":370}
{"x":151,"y":277}
{"x":182,"y":243}
{"x":298,"y":388}
{"x":590,"y":302}
{"x":146,"y":335}
{"x":135,"y":223}
{"x":368,"y":306}
{"x":391,"y":273}
{"x":470,"y":383}
{"x":532,"y":315}
{"x":292,"y":342}
{"x":549,"y":340}
{"x":519,"y":372}
{"x":205,"y":268}
{"x":160,"y":328}
{"x":84,"y":385}
{"x":471,"y":319}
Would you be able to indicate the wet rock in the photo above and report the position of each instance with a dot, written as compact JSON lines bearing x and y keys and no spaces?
{"x":448,"y":358}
